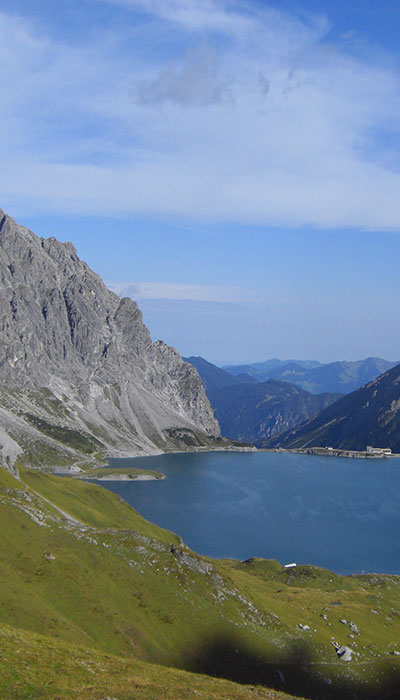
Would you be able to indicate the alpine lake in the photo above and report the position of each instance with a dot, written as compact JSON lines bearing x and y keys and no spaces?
{"x":338,"y":513}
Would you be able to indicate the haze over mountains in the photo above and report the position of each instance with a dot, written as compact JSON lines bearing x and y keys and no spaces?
{"x":214,"y":377}
{"x":250,"y":410}
{"x":340,"y":377}
{"x":368,"y":416}
{"x":255,"y":411}
{"x":79,"y":373}
{"x":262,"y":369}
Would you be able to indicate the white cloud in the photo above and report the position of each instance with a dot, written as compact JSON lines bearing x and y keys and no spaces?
{"x":194,"y":14}
{"x":269,"y":124}
{"x":184,"y":292}
{"x":193,"y":82}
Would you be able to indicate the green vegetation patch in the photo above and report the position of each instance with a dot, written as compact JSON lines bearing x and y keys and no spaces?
{"x":7,"y":480}
{"x":116,"y":584}
{"x":33,"y":666}
{"x":91,"y":504}
{"x":41,"y":454}
{"x":126,"y":471}
{"x":72,"y":438}
{"x":186,"y":436}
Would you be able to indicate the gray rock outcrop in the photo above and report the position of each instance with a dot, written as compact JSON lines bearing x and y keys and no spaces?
{"x":79,"y":373}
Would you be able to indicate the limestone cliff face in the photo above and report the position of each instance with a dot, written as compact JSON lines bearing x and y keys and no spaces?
{"x":75,"y":358}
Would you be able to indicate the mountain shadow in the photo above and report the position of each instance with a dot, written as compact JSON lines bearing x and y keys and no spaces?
{"x":295,"y":671}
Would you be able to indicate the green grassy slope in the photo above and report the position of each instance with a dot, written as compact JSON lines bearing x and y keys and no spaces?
{"x":34,"y":666}
{"x":115,"y":584}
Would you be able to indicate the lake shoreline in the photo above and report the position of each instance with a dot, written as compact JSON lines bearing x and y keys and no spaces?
{"x":341,"y":515}
{"x":332,"y":452}
{"x":77,"y":472}
{"x":122,"y":477}
{"x":318,"y":451}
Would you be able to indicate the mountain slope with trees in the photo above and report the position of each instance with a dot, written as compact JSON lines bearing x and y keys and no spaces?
{"x":249,"y":410}
{"x":368,"y":416}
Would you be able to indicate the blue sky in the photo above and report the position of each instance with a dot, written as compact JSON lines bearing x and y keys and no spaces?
{"x":232,"y":165}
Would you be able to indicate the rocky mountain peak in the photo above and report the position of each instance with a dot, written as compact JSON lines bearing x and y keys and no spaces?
{"x":69,"y":338}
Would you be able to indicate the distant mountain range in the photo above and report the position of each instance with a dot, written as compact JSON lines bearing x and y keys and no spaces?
{"x":249,"y":410}
{"x":338,"y":377}
{"x":367,"y":416}
{"x":260,"y":370}
{"x":214,"y":377}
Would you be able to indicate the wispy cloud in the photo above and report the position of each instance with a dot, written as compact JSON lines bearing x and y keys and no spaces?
{"x":194,"y":81}
{"x":182,"y":292}
{"x":235,"y":114}
{"x":194,"y":14}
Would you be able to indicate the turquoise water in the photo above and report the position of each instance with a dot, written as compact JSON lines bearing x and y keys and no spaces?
{"x":342,"y":514}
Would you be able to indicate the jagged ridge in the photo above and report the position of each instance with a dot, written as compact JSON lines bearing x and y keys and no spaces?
{"x":76,"y":356}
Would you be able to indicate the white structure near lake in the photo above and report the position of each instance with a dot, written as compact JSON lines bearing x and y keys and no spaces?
{"x":379,"y":450}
